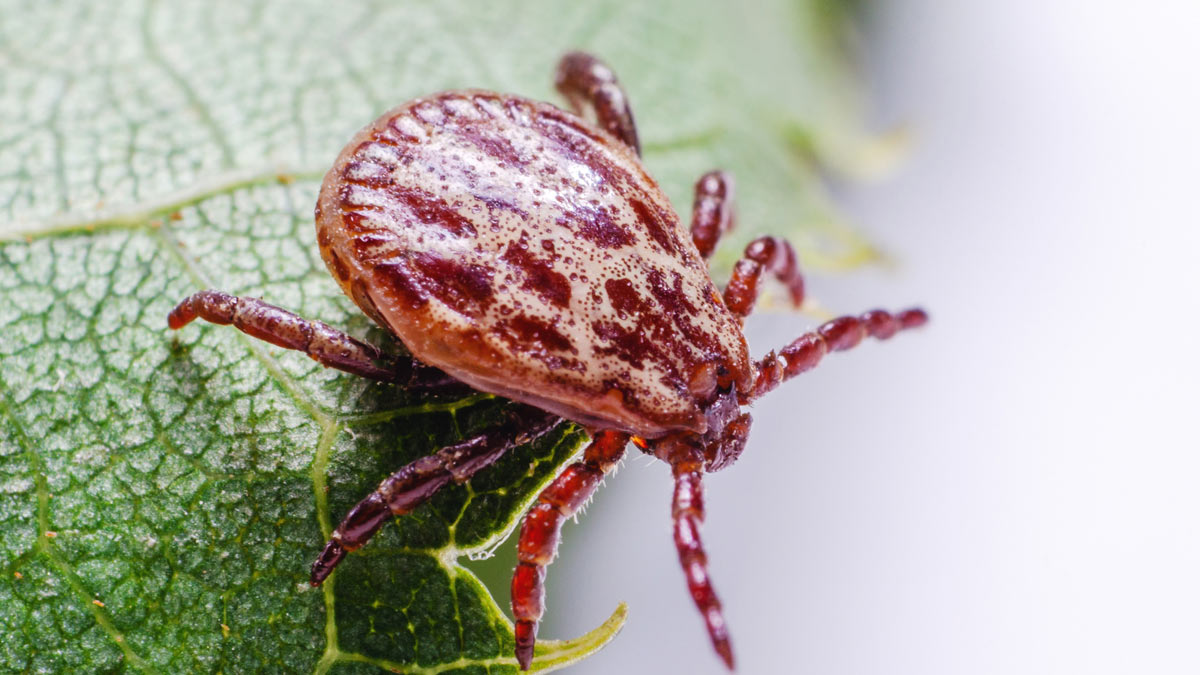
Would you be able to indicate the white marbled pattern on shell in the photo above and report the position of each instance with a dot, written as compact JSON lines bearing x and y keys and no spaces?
{"x":529,"y":254}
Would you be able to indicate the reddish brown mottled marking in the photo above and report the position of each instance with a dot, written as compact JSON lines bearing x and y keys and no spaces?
{"x":597,"y":226}
{"x":538,"y":339}
{"x":624,"y":297}
{"x":495,"y":145}
{"x":430,"y":210}
{"x":540,"y":274}
{"x":657,"y":224}
{"x":630,"y":346}
{"x":420,"y":278}
{"x":369,"y":174}
{"x":475,"y":219}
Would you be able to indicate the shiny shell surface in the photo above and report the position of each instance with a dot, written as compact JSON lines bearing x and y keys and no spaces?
{"x":529,"y":254}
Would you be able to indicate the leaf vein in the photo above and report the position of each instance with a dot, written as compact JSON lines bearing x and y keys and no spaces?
{"x":136,"y":217}
{"x":44,"y":547}
{"x":197,"y":104}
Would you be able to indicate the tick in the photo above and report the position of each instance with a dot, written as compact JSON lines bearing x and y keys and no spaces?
{"x":522,"y":250}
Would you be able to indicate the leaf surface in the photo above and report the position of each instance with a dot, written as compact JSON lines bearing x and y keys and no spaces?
{"x":162,"y":495}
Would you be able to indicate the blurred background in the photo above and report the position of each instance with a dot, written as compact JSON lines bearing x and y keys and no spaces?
{"x":1012,"y":490}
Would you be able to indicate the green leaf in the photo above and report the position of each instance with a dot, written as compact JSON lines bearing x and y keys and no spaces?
{"x":162,"y":495}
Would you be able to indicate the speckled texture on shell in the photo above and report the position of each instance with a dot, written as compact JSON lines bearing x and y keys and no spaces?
{"x":530,"y":255}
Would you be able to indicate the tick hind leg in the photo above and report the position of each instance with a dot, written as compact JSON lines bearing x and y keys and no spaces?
{"x":585,"y":81}
{"x":538,"y":542}
{"x":418,"y":481}
{"x":326,"y":345}
{"x":687,"y":512}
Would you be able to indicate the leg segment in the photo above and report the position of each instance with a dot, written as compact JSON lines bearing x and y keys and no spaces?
{"x":765,"y":254}
{"x":417,"y":482}
{"x":832,"y":336}
{"x":326,"y":345}
{"x":585,"y":80}
{"x":712,"y":211}
{"x":538,"y":541}
{"x":687,"y":512}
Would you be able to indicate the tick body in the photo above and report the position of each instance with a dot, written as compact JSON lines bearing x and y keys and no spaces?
{"x":523,"y":250}
{"x":527,"y":254}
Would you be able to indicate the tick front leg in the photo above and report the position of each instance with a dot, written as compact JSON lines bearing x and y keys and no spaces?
{"x":712,"y":211}
{"x":836,"y":335}
{"x":417,"y":482}
{"x":585,"y":81}
{"x":763,"y":255}
{"x":687,"y":512}
{"x":538,"y":541}
{"x":326,"y":345}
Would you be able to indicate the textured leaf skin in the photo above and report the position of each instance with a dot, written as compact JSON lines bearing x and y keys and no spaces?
{"x":161,"y":495}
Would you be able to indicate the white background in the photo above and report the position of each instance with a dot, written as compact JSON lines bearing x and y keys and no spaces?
{"x":1015,"y":489}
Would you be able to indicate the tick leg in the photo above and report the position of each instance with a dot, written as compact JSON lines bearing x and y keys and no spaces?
{"x":585,"y":81}
{"x":712,"y":211}
{"x":328,"y":346}
{"x":687,"y":512}
{"x":538,"y":542}
{"x":763,"y":255}
{"x":418,"y":481}
{"x":836,"y":335}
